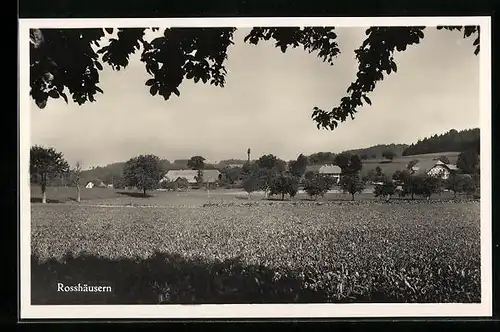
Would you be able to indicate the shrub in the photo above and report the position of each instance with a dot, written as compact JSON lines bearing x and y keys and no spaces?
{"x":426,"y":185}
{"x":284,"y":184}
{"x":351,"y":183}
{"x":318,"y":186}
{"x":386,"y":189}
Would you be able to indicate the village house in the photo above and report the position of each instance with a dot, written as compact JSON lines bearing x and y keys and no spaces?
{"x":333,"y":171}
{"x":434,"y":168}
{"x":94,"y":184}
{"x":210,"y":176}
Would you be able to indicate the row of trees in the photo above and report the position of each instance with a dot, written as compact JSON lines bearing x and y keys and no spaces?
{"x":269,"y":173}
{"x":143,"y":172}
{"x":384,"y":151}
{"x":406,"y":184}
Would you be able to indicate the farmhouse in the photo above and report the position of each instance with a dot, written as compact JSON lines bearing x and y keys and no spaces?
{"x":93,"y":184}
{"x":209,"y":176}
{"x":333,"y":171}
{"x":434,"y":168}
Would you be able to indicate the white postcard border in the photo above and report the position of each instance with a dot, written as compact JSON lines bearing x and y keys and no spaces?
{"x":483,"y":309}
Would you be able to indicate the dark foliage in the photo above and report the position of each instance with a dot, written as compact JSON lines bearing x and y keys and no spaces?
{"x":388,"y":154}
{"x":462,"y":184}
{"x":386,"y":189}
{"x":376,"y":151}
{"x":348,"y":163}
{"x":352,"y":183}
{"x":230,"y":175}
{"x":284,"y":184}
{"x":143,"y":172}
{"x":196,"y":162}
{"x":452,"y":141}
{"x":468,"y":161}
{"x":298,"y":167}
{"x":320,"y":158}
{"x":252,"y":183}
{"x":317,"y":185}
{"x":270,"y":161}
{"x":405,"y":179}
{"x":46,"y":164}
{"x":70,"y":58}
{"x":426,"y":185}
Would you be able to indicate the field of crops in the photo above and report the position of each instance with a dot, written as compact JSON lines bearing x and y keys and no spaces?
{"x":336,"y":252}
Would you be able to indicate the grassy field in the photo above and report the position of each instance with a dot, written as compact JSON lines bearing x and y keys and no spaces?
{"x":400,"y":162}
{"x":107,"y":196}
{"x":288,"y":252}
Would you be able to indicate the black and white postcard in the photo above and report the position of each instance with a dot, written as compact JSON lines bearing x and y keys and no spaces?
{"x":255,"y":168}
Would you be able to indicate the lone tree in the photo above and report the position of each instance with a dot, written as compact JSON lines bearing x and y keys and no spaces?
{"x":143,"y":172}
{"x":271,"y":162}
{"x":426,"y":185}
{"x":251,"y":183}
{"x":46,"y":163}
{"x":351,"y":183}
{"x":298,"y":167}
{"x":76,"y":174}
{"x":388,"y":154}
{"x":284,"y":184}
{"x":348,"y":163}
{"x":70,"y":58}
{"x":266,"y":177}
{"x":318,"y":185}
{"x":196,"y":163}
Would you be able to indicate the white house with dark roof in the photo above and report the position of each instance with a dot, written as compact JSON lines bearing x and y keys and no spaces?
{"x":333,"y":171}
{"x":209,"y":175}
{"x":435,"y":168}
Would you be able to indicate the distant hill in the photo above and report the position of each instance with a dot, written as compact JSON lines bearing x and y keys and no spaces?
{"x":112,"y":173}
{"x":106,"y":174}
{"x":376,"y":151}
{"x":232,"y":161}
{"x":451,"y":141}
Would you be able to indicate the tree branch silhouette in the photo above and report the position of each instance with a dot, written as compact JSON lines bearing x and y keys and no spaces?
{"x":69,"y":58}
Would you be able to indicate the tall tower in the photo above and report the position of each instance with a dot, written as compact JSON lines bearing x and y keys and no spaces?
{"x":248,"y":154}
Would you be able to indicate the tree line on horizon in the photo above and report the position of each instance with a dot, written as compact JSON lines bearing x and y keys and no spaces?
{"x":451,"y":141}
{"x":434,"y":144}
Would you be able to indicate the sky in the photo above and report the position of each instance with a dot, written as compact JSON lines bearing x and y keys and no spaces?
{"x":266,"y":105}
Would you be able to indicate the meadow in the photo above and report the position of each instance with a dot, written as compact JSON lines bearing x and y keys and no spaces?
{"x":108,"y":196}
{"x":256,"y":251}
{"x":400,"y":162}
